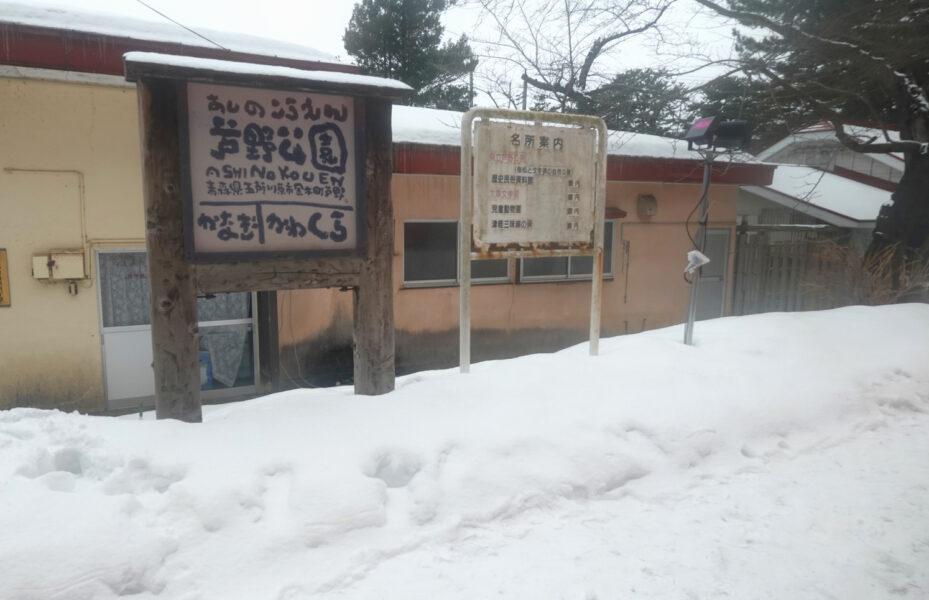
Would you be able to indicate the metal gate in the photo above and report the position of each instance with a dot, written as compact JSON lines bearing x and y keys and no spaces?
{"x":775,"y":265}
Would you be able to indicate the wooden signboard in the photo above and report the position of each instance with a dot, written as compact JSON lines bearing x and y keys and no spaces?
{"x":263,"y":178}
{"x":271,"y":173}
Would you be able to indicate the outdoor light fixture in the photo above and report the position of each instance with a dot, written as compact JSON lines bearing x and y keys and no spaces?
{"x":732,"y":135}
{"x":716,"y":133}
{"x":701,"y":132}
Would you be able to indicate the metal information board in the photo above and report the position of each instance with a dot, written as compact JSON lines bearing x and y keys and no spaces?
{"x":533,"y":184}
{"x":538,"y":190}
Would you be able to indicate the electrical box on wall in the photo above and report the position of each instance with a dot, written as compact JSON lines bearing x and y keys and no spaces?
{"x":58,"y":266}
{"x":646,"y":205}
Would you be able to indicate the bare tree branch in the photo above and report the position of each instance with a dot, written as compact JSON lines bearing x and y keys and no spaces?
{"x":600,"y":43}
{"x":559,"y":42}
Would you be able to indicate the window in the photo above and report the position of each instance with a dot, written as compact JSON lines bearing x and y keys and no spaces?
{"x":225,"y":324}
{"x":569,"y":267}
{"x":430,"y":256}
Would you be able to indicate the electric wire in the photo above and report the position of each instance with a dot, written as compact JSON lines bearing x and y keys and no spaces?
{"x":179,"y":24}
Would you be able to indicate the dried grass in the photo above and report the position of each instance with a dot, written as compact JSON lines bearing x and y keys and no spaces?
{"x":839,"y":276}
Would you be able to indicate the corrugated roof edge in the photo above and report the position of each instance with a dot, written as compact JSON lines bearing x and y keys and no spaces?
{"x":432,"y":158}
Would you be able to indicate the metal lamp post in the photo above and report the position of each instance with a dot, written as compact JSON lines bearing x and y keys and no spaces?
{"x":713,"y":134}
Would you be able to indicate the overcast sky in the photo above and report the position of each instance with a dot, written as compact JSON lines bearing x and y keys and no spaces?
{"x":320,"y":24}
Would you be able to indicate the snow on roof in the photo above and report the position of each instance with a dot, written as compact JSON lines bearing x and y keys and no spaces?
{"x":426,"y":126}
{"x":136,"y":22}
{"x":828,"y":191}
{"x":443,"y":127}
{"x":240,"y":68}
{"x":824,"y":131}
{"x":859,"y":132}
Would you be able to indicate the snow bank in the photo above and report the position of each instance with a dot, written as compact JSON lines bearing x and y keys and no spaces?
{"x":321,"y":492}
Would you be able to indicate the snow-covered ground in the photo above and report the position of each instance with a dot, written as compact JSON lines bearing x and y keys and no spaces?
{"x":784,"y":456}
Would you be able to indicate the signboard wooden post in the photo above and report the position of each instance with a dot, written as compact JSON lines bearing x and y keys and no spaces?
{"x":538,"y":190}
{"x":263,"y":178}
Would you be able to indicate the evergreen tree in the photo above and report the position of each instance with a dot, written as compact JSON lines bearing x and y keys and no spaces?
{"x":842,"y":60}
{"x":402,"y":39}
{"x":639,"y":100}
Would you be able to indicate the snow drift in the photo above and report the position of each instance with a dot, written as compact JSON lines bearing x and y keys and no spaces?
{"x":315,"y":493}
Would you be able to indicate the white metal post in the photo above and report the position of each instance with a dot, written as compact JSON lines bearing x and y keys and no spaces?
{"x":596,"y":275}
{"x":464,"y":247}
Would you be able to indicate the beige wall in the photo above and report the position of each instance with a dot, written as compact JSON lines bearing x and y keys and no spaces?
{"x":69,"y":180}
{"x":647,"y":289}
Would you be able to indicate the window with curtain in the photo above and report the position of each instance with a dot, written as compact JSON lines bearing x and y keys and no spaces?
{"x":226,"y":346}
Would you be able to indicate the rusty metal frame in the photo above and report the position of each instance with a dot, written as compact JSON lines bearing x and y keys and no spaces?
{"x":467,"y":251}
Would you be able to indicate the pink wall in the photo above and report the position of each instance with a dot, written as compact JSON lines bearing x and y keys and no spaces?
{"x":646,"y":291}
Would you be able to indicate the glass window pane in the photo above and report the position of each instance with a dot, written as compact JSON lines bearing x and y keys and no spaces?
{"x":125,"y":296}
{"x":222,"y":307}
{"x":430,"y":251}
{"x":556,"y":266}
{"x":582,"y":265}
{"x":124,"y":288}
{"x":489,"y":269}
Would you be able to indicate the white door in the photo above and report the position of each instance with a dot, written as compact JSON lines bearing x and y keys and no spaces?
{"x":227,"y":349}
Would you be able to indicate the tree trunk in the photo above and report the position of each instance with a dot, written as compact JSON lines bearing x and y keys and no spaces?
{"x":904,"y":223}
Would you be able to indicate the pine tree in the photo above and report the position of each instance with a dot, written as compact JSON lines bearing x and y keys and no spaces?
{"x":844,"y":60}
{"x":639,"y":100}
{"x":402,"y":39}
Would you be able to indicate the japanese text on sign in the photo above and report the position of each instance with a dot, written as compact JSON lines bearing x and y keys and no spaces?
{"x":542,"y":174}
{"x":271,"y":170}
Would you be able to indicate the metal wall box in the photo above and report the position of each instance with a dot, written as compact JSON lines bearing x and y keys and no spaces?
{"x":58,"y":266}
{"x":646,"y":205}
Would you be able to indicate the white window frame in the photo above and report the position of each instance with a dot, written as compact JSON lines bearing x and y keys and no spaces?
{"x":448,"y":282}
{"x":568,"y":276}
{"x":148,"y":401}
